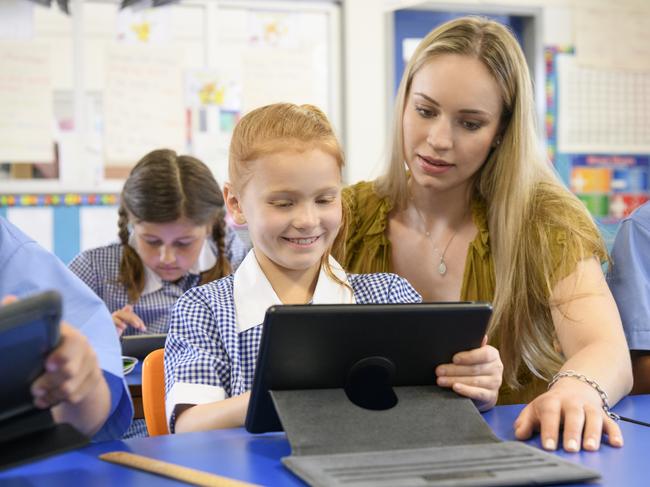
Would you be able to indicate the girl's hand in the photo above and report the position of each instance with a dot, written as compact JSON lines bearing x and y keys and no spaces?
{"x":126,"y":317}
{"x":476,"y":374}
{"x":578,"y":407}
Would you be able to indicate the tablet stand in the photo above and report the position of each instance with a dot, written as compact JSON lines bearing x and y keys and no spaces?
{"x":431,"y":437}
{"x":34,"y":434}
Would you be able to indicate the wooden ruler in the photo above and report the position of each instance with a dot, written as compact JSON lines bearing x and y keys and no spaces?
{"x":158,"y":467}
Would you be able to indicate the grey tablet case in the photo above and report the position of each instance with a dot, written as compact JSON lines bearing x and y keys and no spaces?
{"x":432,"y":437}
{"x":353,"y":388}
{"x":29,"y":330}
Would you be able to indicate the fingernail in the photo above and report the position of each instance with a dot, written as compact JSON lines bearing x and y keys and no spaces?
{"x":38,"y":392}
{"x":616,"y":440}
{"x":442,"y":371}
{"x":51,"y":366}
{"x":549,"y":444}
{"x":572,"y":445}
{"x":590,"y":444}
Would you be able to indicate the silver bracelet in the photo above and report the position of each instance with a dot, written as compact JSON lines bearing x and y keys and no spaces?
{"x":603,"y":395}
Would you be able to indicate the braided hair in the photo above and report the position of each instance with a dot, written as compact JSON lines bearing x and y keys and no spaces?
{"x":161,"y":188}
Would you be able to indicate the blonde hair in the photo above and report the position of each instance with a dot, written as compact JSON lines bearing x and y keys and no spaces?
{"x":276,"y":128}
{"x":161,"y":188}
{"x":523,"y":195}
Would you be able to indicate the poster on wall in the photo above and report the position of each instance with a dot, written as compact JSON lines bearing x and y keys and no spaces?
{"x":26,"y":106}
{"x":143,"y":103}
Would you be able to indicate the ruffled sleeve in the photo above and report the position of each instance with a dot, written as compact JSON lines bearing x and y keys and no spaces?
{"x":367,"y":248}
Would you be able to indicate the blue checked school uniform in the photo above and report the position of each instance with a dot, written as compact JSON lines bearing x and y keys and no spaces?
{"x":99,"y":269}
{"x":215,"y":329}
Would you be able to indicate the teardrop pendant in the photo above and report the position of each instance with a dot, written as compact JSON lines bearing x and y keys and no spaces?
{"x":442,"y":268}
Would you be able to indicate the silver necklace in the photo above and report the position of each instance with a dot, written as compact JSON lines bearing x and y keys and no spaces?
{"x":442,"y":266}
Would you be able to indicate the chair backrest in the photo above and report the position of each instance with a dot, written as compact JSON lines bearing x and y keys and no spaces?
{"x":153,"y":393}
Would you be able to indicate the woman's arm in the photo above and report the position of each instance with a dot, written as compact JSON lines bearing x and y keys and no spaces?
{"x":229,"y":413}
{"x":591,"y":338}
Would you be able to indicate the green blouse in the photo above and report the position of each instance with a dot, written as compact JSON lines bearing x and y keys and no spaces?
{"x":367,"y":249}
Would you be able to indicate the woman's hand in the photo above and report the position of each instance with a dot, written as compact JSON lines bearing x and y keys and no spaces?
{"x":126,"y":317}
{"x":476,"y":374}
{"x":575,"y":405}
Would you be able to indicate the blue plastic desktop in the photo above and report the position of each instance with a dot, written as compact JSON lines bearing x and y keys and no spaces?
{"x":256,"y":458}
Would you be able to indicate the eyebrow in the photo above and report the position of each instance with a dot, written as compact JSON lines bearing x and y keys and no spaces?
{"x":473,"y":111}
{"x":282,"y":192}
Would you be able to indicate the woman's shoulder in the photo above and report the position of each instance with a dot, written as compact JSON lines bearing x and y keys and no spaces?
{"x":363,"y":194}
{"x":368,"y":210}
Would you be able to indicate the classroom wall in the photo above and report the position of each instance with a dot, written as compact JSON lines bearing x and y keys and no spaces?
{"x":368,"y":36}
{"x":363,"y":89}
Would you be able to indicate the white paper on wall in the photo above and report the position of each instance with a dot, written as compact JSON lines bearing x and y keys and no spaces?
{"x":16,"y":19}
{"x":98,"y":226}
{"x":273,"y":75}
{"x":38,"y":223}
{"x":26,"y":105}
{"x":143,"y":104}
{"x":609,"y":36}
{"x":602,"y":110}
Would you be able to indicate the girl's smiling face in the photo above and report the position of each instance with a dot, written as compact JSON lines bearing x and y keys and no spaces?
{"x":292,"y":205}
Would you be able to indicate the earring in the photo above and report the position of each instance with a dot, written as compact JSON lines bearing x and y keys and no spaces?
{"x":497,"y":141}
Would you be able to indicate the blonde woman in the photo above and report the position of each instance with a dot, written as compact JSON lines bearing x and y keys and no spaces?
{"x":469,"y":210}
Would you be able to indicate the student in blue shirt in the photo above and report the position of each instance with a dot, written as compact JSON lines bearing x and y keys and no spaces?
{"x":285,"y":183}
{"x":173,"y":237}
{"x":83,"y":380}
{"x":629,"y":280}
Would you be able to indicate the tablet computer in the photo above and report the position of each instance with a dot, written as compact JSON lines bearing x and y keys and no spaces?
{"x":351,"y":345}
{"x":139,"y":346}
{"x":29,"y":330}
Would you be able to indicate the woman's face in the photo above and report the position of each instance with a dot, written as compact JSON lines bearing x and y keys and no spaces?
{"x":451,"y":121}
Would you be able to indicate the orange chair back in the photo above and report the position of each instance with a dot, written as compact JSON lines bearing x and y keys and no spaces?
{"x":153,"y":393}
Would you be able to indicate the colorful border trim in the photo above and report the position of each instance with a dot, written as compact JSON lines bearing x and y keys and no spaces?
{"x":66,"y":199}
{"x":550,"y":54}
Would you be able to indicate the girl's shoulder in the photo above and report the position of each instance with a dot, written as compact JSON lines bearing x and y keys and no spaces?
{"x":103,"y":260}
{"x":214,"y":293}
{"x":382,"y":287}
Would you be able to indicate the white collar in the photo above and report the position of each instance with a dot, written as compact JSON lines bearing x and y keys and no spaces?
{"x":152,"y":281}
{"x":254,"y":294}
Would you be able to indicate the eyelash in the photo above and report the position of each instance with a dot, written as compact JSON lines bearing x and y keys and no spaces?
{"x":426,"y":113}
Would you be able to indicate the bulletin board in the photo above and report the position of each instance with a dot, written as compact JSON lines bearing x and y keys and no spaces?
{"x":598,"y":133}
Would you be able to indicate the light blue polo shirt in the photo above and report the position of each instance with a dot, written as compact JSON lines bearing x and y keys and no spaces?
{"x":629,"y":277}
{"x":27,"y":268}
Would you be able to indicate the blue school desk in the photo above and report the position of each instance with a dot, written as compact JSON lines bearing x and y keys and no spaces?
{"x":256,"y":458}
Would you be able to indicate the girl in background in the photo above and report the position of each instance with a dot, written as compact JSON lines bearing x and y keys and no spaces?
{"x":285,"y":183}
{"x":172,"y":237}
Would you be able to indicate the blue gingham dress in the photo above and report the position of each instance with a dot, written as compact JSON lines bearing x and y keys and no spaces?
{"x":99,"y":269}
{"x":204,"y":347}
